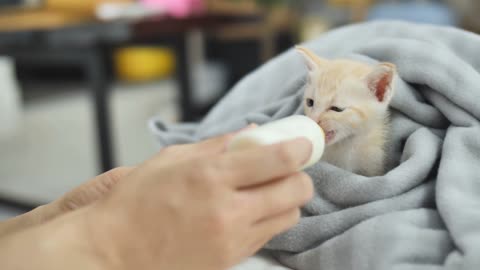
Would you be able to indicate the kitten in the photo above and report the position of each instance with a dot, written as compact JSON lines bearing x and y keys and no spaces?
{"x":350,"y":100}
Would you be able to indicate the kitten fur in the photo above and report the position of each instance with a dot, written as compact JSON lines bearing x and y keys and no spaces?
{"x":350,"y":100}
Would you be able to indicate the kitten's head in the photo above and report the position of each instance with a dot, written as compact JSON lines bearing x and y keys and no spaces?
{"x":346,"y":97}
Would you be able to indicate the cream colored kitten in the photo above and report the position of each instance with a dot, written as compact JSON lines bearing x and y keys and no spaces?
{"x":349,"y":100}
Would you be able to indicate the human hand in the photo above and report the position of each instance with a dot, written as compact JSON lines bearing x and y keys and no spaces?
{"x":214,"y":207}
{"x":84,"y":195}
{"x":89,"y":192}
{"x":197,"y":207}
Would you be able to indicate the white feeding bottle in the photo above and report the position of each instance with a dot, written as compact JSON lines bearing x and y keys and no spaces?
{"x":285,"y":129}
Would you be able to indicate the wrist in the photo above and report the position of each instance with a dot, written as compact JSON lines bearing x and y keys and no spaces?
{"x":58,"y":244}
{"x":110,"y":233}
{"x":81,"y":232}
{"x":30,"y":219}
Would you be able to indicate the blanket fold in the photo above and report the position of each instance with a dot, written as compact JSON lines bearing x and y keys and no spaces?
{"x":424,"y":213}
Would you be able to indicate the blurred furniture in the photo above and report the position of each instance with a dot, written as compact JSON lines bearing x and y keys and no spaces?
{"x":88,"y":46}
{"x":230,"y":7}
{"x":45,"y":14}
{"x":467,"y":11}
{"x":44,"y":19}
{"x":357,"y":8}
{"x":20,"y":3}
{"x":68,"y":35}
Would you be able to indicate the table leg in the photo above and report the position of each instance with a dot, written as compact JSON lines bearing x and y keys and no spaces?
{"x":99,"y":84}
{"x":187,"y":111}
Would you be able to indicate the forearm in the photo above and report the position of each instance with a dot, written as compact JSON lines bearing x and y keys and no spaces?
{"x":58,"y":244}
{"x":35,"y":217}
{"x":84,"y":195}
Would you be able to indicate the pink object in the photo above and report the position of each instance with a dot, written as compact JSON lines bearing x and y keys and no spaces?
{"x":176,"y":8}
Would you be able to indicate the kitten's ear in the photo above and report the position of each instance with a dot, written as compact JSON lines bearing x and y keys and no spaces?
{"x":380,"y":81}
{"x":311,"y":59}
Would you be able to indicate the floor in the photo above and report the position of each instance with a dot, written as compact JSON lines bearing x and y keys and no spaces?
{"x":54,"y":148}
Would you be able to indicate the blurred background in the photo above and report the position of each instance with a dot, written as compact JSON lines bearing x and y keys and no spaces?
{"x":80,"y":79}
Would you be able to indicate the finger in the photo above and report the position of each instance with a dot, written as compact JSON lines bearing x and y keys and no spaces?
{"x":271,"y":227}
{"x":209,"y":147}
{"x":277,"y":197}
{"x":262,"y":164}
{"x":219,"y":144}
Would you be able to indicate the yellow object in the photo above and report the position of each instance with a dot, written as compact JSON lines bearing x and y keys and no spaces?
{"x":79,"y":6}
{"x":144,"y":63}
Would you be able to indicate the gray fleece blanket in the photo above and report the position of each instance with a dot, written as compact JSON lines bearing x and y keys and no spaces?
{"x":425,"y":212}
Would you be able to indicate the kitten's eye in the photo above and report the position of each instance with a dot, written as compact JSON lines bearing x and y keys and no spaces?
{"x":310,"y":102}
{"x":336,"y":109}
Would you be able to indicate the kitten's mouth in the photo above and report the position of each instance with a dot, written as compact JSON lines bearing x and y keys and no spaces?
{"x":329,"y":135}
